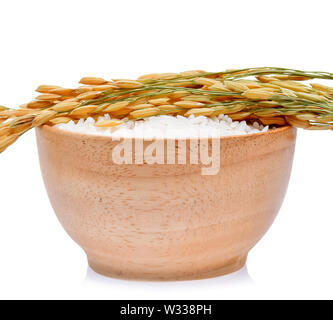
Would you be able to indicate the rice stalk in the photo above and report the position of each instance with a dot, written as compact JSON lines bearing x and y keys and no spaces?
{"x":269,"y":95}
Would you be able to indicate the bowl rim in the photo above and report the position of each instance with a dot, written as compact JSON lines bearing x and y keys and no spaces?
{"x":85,"y":136}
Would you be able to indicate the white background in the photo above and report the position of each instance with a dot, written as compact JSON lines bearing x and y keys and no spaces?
{"x":58,"y":42}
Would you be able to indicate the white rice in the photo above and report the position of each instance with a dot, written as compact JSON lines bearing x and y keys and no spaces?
{"x":165,"y":126}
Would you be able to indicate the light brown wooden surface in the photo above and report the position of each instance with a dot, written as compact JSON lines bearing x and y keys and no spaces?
{"x":165,"y":222}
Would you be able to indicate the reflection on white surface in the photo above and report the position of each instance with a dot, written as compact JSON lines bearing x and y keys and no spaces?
{"x":240,"y":277}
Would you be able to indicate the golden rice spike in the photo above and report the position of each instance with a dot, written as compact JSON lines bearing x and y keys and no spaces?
{"x":83,"y":111}
{"x":144,"y":113}
{"x":48,"y":96}
{"x":189,"y":104}
{"x":257,"y":94}
{"x":92,"y":81}
{"x":200,"y":112}
{"x":65,"y":106}
{"x":59,"y":120}
{"x":112,"y":107}
{"x":109,"y":123}
{"x":45,"y":88}
{"x":43,"y":117}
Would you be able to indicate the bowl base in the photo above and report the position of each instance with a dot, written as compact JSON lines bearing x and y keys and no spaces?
{"x":110,"y":271}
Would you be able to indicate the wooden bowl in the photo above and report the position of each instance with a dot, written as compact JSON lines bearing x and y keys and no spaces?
{"x":165,"y":221}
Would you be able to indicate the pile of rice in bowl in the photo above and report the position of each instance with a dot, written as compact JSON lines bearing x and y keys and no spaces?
{"x":164,"y":126}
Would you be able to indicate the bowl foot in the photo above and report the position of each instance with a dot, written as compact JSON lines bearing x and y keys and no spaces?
{"x":110,"y":271}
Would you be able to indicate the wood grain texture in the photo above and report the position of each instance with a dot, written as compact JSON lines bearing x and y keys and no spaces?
{"x":165,"y":222}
